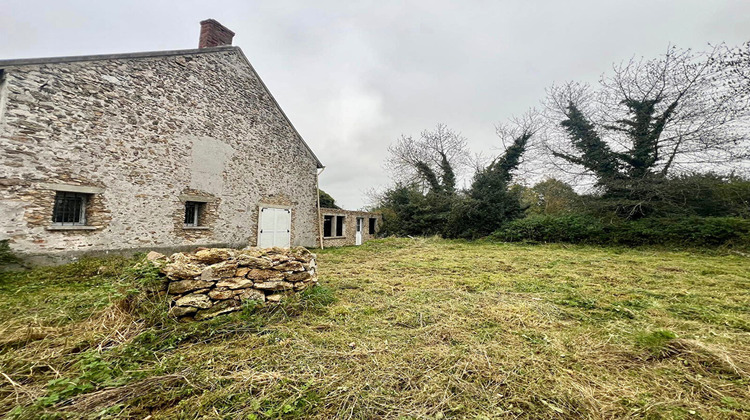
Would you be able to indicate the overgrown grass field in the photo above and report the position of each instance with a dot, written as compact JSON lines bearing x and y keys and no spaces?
{"x":399,"y":328}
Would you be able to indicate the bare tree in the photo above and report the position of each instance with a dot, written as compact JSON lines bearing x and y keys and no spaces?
{"x":648,"y":119}
{"x":734,"y":63}
{"x":434,"y":160}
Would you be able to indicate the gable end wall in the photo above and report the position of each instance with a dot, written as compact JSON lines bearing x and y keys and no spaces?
{"x":148,"y":131}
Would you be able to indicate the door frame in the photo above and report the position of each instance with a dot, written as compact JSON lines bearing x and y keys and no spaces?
{"x":262,"y":206}
{"x":359,"y":231}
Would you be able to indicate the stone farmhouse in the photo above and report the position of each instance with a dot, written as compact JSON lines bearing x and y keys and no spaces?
{"x":164,"y":150}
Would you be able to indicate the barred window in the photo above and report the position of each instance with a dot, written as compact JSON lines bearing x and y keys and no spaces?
{"x":70,"y":209}
{"x":192,"y":213}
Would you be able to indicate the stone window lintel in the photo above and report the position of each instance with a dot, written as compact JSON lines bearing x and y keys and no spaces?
{"x":196,"y":198}
{"x":82,"y":189}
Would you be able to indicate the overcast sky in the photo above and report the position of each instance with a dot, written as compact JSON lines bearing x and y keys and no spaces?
{"x":355,"y":75}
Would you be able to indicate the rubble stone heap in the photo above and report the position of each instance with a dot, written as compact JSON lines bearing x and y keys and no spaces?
{"x":214,"y":281}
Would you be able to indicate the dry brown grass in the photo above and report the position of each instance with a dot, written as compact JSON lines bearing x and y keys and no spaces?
{"x":425,"y":329}
{"x":38,"y":350}
{"x":93,"y":402}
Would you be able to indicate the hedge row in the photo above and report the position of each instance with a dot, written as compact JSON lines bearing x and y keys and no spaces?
{"x":691,"y":231}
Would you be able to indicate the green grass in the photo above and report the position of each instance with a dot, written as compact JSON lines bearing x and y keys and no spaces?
{"x":399,"y":328}
{"x":58,"y":295}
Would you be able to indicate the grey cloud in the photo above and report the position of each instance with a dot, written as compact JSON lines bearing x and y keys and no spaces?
{"x":354,"y":75}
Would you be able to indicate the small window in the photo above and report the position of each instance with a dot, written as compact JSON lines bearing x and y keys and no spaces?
{"x":70,"y":209}
{"x":333,"y":226}
{"x":193,"y":210}
{"x":371,"y":229}
{"x":327,"y":226}
{"x":339,"y":225}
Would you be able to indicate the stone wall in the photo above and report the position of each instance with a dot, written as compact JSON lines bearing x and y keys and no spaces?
{"x":350,"y":226}
{"x":214,"y":281}
{"x":145,"y":131}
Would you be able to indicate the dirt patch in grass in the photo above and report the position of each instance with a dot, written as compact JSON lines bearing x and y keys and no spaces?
{"x":401,"y":328}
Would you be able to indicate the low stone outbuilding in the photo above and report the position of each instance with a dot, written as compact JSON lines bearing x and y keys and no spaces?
{"x":347,"y":227}
{"x":159,"y":150}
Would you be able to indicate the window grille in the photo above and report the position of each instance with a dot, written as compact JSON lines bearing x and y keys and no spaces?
{"x":192,"y":213}
{"x":70,"y":209}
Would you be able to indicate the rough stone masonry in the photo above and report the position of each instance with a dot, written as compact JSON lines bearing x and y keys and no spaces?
{"x":139,"y":135}
{"x":217,"y":280}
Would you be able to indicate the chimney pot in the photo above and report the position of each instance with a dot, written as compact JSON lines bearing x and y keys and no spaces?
{"x":214,"y":34}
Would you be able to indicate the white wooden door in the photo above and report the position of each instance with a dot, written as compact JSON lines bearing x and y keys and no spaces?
{"x":358,"y":237}
{"x":275,"y":227}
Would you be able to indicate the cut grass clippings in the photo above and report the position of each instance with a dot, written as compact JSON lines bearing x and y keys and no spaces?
{"x":400,"y":328}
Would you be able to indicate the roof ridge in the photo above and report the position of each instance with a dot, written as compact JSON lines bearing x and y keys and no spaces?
{"x":97,"y":57}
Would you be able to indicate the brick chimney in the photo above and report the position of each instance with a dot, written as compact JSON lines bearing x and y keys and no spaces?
{"x":214,"y":34}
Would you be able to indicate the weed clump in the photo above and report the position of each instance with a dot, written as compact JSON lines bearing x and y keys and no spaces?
{"x":7,"y":257}
{"x":656,"y":342}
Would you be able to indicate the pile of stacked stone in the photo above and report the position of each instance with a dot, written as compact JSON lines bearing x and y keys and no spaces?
{"x":214,"y":281}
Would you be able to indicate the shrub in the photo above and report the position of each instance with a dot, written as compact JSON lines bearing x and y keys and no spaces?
{"x":549,"y":197}
{"x":692,"y":195}
{"x":568,"y":228}
{"x":696,"y":231}
{"x":407,"y":211}
{"x":576,"y":228}
{"x":489,"y":205}
{"x":705,"y":195}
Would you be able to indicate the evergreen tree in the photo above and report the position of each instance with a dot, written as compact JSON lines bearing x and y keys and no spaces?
{"x":650,"y":120}
{"x":490,"y":202}
{"x":326,"y":201}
